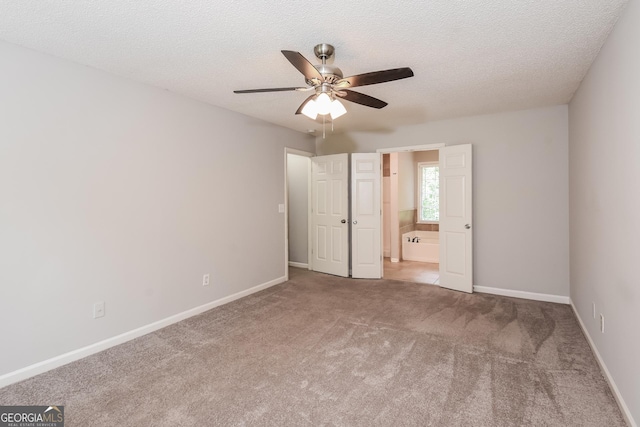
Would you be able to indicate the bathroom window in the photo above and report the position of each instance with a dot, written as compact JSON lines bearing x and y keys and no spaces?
{"x":429,"y":192}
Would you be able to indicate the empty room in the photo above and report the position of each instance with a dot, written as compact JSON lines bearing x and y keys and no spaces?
{"x":343,"y":213}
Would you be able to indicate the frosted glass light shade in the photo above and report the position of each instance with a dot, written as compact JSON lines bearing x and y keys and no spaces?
{"x":323,"y":105}
{"x":310,"y":109}
{"x":323,"y":102}
{"x":337,"y":109}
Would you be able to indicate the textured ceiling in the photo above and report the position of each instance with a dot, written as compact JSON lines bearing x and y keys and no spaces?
{"x":469,"y":57}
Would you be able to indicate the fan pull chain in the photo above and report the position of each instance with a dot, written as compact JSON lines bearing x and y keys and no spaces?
{"x":323,"y":123}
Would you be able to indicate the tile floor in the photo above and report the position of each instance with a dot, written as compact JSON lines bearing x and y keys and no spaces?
{"x":412,"y":271}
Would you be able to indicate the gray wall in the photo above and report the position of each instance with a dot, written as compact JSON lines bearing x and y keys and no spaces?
{"x":604,"y":170}
{"x":119,"y":192}
{"x":298,"y":183}
{"x":520,"y":199}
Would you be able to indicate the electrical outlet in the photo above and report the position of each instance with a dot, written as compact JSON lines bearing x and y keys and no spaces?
{"x":281,"y":208}
{"x":593,"y":305}
{"x":98,"y":309}
{"x":601,"y":323}
{"x":205,"y":280}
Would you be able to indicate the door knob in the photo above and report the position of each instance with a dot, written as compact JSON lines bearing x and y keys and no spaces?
{"x":467,"y":226}
{"x":343,"y":221}
{"x":355,"y":221}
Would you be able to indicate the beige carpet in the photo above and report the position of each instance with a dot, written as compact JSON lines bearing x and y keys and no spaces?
{"x":322,"y":350}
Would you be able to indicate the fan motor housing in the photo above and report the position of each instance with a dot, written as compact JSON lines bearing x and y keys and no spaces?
{"x":331,"y":73}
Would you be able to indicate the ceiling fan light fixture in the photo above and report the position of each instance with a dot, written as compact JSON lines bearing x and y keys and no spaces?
{"x":310,"y":109}
{"x":329,"y":85}
{"x":337,"y":109}
{"x":323,"y":103}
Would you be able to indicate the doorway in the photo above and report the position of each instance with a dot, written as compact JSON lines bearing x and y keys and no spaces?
{"x":297,"y":205}
{"x":338,"y":211}
{"x":455,"y":234}
{"x":411,"y":216}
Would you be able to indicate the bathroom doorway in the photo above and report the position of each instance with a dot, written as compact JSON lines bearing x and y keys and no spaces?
{"x":411,"y":216}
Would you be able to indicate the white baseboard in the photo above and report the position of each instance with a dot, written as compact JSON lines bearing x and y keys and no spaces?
{"x":395,"y":259}
{"x":63,"y":359}
{"x":522,"y":294}
{"x":298,"y":264}
{"x":612,"y":384}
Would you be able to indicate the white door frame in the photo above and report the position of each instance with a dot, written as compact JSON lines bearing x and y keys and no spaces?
{"x":426,"y":147}
{"x":388,"y":150}
{"x":394,"y":221}
{"x":297,"y":152}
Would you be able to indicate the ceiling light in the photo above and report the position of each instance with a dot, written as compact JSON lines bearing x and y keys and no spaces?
{"x":323,"y":103}
{"x":337,"y":109}
{"x":310,"y":109}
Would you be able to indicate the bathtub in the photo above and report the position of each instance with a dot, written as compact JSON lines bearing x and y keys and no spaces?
{"x":425,"y":249}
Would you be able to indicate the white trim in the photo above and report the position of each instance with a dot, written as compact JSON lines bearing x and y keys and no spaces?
{"x":298,"y":264}
{"x":63,"y":359}
{"x":522,"y":294}
{"x":286,"y":213}
{"x":299,"y":152}
{"x":309,"y":209}
{"x":426,"y":147}
{"x":626,"y":413}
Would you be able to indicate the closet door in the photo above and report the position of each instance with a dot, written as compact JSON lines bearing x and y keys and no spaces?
{"x":330,"y":214}
{"x":366,"y":254}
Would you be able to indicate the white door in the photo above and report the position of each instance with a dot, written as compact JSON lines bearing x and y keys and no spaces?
{"x":366,"y":256}
{"x":329,"y":214}
{"x":456,"y":260}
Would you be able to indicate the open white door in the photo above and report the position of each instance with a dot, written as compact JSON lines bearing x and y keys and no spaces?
{"x":366,"y":256}
{"x":329,"y":216}
{"x":456,"y":246}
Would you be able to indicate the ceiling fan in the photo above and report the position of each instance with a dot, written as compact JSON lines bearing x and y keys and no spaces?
{"x":328,"y":84}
